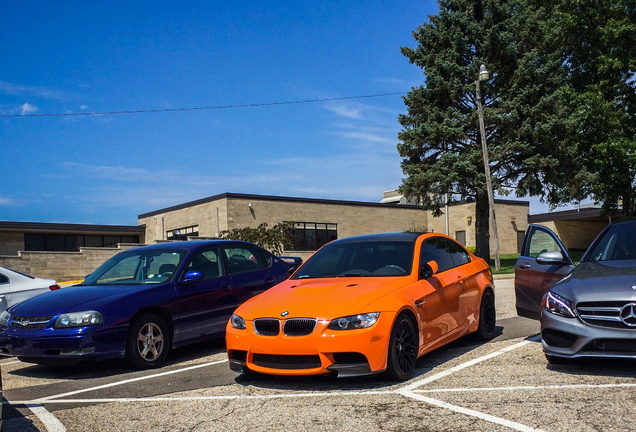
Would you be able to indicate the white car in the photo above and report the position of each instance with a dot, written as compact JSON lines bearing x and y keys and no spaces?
{"x":16,"y":287}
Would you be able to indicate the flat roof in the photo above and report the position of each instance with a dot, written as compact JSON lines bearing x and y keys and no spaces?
{"x":71,"y":228}
{"x":274,"y":198}
{"x":586,"y":214}
{"x":305,"y":200}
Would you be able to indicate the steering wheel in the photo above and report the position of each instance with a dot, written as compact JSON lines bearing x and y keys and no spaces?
{"x":395,"y":267}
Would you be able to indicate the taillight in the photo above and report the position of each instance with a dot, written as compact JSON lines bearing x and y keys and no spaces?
{"x":55,"y":287}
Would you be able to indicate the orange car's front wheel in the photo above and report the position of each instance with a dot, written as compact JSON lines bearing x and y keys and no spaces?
{"x":402,"y":349}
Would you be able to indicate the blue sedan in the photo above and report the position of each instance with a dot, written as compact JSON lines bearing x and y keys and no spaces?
{"x":141,"y":303}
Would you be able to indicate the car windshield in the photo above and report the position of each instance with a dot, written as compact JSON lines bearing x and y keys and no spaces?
{"x":616,"y":244}
{"x":359,"y":259}
{"x":138,"y":266}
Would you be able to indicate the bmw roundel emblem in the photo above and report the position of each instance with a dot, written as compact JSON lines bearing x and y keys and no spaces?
{"x":284,"y":313}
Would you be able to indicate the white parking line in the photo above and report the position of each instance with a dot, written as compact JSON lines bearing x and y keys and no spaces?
{"x":51,"y":422}
{"x":47,"y":398}
{"x":473,"y":362}
{"x":409,"y":390}
{"x":472,"y":413}
{"x":555,"y":387}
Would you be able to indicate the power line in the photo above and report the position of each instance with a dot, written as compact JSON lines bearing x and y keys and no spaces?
{"x":200,"y":108}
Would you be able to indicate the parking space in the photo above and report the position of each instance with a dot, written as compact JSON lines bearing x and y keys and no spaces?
{"x":503,"y":385}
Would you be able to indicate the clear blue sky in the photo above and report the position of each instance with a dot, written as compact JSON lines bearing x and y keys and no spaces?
{"x":78,"y":56}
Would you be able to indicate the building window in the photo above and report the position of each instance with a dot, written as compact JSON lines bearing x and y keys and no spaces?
{"x":71,"y":242}
{"x":183,"y":233}
{"x":310,"y":236}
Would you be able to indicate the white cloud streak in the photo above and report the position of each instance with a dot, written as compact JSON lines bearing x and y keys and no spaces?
{"x":13,"y":89}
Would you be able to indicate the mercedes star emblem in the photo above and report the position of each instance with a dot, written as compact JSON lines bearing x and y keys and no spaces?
{"x":628,"y":314}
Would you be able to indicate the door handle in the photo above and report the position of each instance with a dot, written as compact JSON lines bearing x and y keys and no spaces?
{"x":270,"y":280}
{"x":226,"y":287}
{"x":524,"y":266}
{"x":419,"y":302}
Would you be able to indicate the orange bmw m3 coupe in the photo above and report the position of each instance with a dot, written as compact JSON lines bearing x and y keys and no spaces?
{"x":365,"y":305}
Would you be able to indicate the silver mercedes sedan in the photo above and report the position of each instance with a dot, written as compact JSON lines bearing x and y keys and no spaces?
{"x":585,"y":311}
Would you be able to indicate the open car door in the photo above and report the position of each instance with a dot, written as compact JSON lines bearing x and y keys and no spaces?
{"x":543,"y":261}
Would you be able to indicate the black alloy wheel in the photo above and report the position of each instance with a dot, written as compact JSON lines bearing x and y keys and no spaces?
{"x":487,"y":317}
{"x":403,"y":347}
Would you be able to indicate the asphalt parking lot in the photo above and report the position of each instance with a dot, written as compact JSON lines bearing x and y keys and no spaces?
{"x":502,"y":385}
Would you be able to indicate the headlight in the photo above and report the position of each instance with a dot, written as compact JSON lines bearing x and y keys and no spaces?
{"x":559,"y":305}
{"x":353,"y":322}
{"x":79,"y":319}
{"x":237,"y":322}
{"x":4,"y":319}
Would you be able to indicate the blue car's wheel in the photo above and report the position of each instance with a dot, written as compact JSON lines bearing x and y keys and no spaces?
{"x":148,"y":342}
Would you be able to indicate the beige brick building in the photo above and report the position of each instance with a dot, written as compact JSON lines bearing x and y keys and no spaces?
{"x":323,"y":220}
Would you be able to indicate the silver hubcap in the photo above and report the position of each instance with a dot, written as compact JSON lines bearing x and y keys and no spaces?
{"x":150,"y":342}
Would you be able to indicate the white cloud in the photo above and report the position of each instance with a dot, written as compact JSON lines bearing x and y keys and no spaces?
{"x":5,"y":201}
{"x":345,"y":111}
{"x":364,"y":136}
{"x":39,"y":92}
{"x":27,"y":109}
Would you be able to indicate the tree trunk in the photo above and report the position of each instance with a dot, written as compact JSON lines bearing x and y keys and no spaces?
{"x":628,"y":210}
{"x":482,"y":227}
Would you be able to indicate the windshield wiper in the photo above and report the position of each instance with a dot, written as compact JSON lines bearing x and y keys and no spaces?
{"x":351,"y":275}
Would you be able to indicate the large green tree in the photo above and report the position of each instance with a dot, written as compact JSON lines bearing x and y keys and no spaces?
{"x":526,"y":123}
{"x":597,"y":42}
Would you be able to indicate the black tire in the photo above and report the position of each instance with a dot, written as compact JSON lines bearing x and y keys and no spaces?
{"x":487,"y":317}
{"x":148,"y":342}
{"x":403,"y":348}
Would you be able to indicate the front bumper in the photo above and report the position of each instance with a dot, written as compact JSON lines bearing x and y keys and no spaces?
{"x":344,"y":353}
{"x":572,"y":338}
{"x":52,"y":346}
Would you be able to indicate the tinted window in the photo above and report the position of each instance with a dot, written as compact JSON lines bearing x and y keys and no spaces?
{"x":437,"y":249}
{"x":368,"y":258}
{"x":3,"y":279}
{"x":616,"y":244}
{"x":208,"y":262}
{"x":459,"y":254}
{"x":243,"y":258}
{"x":149,"y":266}
{"x":541,"y":241}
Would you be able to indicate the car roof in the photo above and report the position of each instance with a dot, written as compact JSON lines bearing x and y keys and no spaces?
{"x":394,"y":236}
{"x":189,"y":244}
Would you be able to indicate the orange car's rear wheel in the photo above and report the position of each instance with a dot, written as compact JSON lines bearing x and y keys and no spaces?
{"x":402,"y":349}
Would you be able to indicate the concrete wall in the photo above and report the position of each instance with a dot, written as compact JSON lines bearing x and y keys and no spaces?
{"x":62,"y":266}
{"x":510,"y":220}
{"x":242,"y":212}
{"x":575,"y":234}
{"x":211,"y":218}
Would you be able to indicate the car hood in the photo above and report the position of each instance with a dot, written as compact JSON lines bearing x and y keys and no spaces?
{"x":75,"y":299}
{"x":319,"y":298}
{"x":600,"y":281}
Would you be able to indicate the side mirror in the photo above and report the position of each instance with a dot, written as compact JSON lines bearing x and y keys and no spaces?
{"x":550,"y":258}
{"x":193,"y":276}
{"x":428,"y":269}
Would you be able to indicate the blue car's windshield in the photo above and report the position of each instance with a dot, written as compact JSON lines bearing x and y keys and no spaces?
{"x":138,"y":266}
{"x":618,"y":243}
{"x":359,"y":259}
